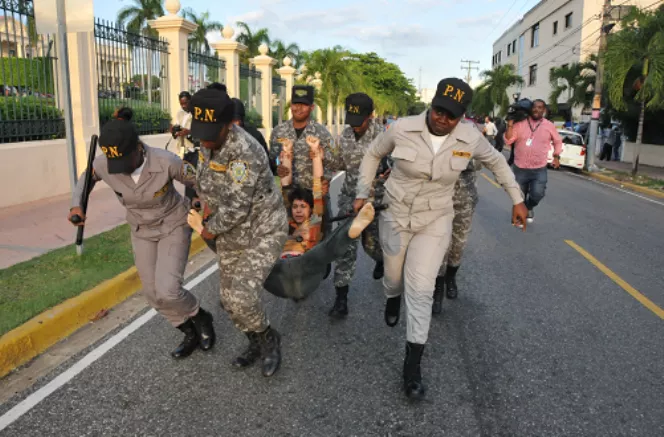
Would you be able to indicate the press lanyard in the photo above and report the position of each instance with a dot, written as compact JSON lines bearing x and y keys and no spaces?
{"x":529,"y":142}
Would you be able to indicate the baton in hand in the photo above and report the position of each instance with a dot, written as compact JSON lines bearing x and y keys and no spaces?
{"x":86,"y":195}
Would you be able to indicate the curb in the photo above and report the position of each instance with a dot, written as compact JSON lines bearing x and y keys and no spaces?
{"x":628,"y":185}
{"x":41,"y":332}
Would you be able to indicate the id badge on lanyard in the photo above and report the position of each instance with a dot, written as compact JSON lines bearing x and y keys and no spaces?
{"x":529,"y":142}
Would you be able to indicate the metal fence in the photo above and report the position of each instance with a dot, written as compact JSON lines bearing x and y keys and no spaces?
{"x":279,"y":106}
{"x":132,"y":70}
{"x":204,"y":69}
{"x":250,"y":87}
{"x":29,"y":99}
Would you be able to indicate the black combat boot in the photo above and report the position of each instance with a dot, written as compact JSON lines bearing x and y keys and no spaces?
{"x":438,"y":294}
{"x":340,"y":308}
{"x":251,"y":354}
{"x":190,"y":342}
{"x":203,"y":323}
{"x":412,"y":375}
{"x":392,"y":310}
{"x":379,"y":270}
{"x":270,"y":343}
{"x":450,"y":282}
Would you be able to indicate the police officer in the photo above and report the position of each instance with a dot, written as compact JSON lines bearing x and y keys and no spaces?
{"x":142,"y":178}
{"x":297,"y":130}
{"x":464,"y":201}
{"x":370,"y":236}
{"x":355,"y":140}
{"x":244,"y":220}
{"x":429,"y":153}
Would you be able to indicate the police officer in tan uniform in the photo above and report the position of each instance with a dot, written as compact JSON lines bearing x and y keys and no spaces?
{"x":429,"y":152}
{"x":142,"y":178}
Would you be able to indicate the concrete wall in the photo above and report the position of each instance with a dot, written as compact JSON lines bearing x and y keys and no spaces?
{"x":37,"y":170}
{"x":648,"y":154}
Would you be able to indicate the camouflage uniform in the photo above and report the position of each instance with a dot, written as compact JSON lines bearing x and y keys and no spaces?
{"x":465,"y":199}
{"x":244,"y":209}
{"x":302,"y":166}
{"x":370,"y":237}
{"x":348,"y":158}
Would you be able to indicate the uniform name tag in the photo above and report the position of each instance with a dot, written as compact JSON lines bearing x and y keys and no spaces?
{"x":161,"y":191}
{"x":461,"y":154}
{"x":217,"y":167}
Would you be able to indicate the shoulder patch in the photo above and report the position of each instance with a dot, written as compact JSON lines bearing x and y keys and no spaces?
{"x":239,"y":171}
{"x":215,"y":166}
{"x":201,"y":158}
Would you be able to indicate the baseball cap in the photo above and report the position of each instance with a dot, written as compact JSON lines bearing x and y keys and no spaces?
{"x":211,"y":110}
{"x":358,"y":107}
{"x":238,"y":109}
{"x":303,"y":94}
{"x":118,"y":140}
{"x":453,"y":95}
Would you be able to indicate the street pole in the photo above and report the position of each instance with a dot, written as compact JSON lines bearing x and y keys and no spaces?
{"x":599,"y":82}
{"x":63,"y":70}
{"x":469,"y":68}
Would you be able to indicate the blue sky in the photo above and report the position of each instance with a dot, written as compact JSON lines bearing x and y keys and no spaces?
{"x":430,"y":34}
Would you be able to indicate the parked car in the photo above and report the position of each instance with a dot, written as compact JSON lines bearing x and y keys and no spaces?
{"x":574,"y":150}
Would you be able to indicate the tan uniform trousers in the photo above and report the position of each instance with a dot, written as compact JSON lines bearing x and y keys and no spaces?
{"x":161,"y":263}
{"x":412,"y":259}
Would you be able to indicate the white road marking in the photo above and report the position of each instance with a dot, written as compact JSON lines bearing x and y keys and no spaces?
{"x":35,"y":398}
{"x":616,"y":188}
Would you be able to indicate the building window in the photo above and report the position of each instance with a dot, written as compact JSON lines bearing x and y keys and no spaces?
{"x":509,"y":50}
{"x":534,"y":40}
{"x":12,"y":53}
{"x":500,"y":56}
{"x":568,"y":20}
{"x":514,"y":46}
{"x":532,"y":75}
{"x":555,"y":28}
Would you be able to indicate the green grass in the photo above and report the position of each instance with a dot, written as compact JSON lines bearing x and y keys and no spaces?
{"x":31,"y":287}
{"x":643,"y":181}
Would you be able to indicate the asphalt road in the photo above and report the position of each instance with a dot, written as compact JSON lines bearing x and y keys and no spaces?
{"x":540,"y":343}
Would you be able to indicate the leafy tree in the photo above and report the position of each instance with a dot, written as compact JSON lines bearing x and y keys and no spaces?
{"x":637,"y":50}
{"x":199,"y":39}
{"x":279,"y":50}
{"x":252,"y":39}
{"x":574,"y":82}
{"x":497,"y":82}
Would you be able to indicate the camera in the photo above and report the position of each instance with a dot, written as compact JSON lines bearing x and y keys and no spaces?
{"x":519,"y":111}
{"x":175,"y":130}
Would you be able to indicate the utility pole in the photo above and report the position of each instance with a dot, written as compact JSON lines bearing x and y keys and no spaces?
{"x":469,"y":68}
{"x":599,"y":83}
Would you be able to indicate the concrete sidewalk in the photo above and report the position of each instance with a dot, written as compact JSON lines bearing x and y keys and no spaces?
{"x":34,"y":228}
{"x":644,"y":170}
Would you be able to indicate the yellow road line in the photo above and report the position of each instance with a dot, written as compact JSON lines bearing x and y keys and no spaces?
{"x":618,"y":280}
{"x":494,"y":183}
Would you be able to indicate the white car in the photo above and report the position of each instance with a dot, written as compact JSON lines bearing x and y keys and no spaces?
{"x":574,"y":150}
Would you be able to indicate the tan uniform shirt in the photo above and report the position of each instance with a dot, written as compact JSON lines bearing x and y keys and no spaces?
{"x":154,"y":206}
{"x":420,"y":187}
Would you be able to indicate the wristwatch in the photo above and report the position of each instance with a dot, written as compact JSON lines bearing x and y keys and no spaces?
{"x":556,"y":156}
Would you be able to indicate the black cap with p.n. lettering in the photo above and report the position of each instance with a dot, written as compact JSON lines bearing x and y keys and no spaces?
{"x":453,"y":95}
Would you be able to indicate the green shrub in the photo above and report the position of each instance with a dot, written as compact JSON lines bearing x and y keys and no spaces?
{"x":253,"y":118}
{"x":149,"y":119}
{"x":36,"y":73}
{"x":28,"y":108}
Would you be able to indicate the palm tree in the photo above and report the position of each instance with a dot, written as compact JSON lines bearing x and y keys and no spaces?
{"x":136,"y":18}
{"x":199,"y":39}
{"x":497,"y":82}
{"x":482,"y":103}
{"x":252,"y":40}
{"x":577,"y":80}
{"x":279,"y":50}
{"x":638,"y":48}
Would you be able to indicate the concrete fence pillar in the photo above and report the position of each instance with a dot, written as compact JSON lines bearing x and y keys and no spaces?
{"x":176,"y":31}
{"x":230,"y":50}
{"x":264,"y":64}
{"x":318,"y":84}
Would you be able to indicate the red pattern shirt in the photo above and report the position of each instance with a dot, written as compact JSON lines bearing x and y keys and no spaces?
{"x":532,"y":141}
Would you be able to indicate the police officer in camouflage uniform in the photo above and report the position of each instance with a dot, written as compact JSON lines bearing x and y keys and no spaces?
{"x":370,"y":236}
{"x":244,"y":220}
{"x":297,"y":130}
{"x":353,"y":143}
{"x":464,"y":200}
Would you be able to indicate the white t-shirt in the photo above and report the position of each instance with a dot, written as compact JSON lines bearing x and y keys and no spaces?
{"x":437,"y":142}
{"x":491,"y":129}
{"x":136,"y":175}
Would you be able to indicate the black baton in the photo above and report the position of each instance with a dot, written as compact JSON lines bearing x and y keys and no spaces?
{"x":86,"y":194}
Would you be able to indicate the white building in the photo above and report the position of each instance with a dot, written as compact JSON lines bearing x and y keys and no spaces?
{"x":552,"y":34}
